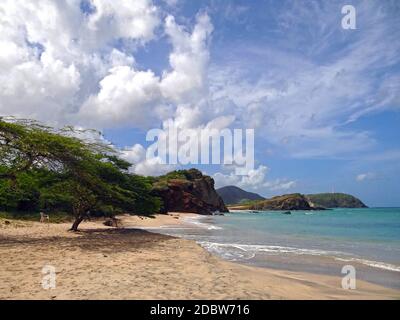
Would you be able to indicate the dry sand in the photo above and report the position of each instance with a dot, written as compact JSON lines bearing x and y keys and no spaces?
{"x":106,"y":263}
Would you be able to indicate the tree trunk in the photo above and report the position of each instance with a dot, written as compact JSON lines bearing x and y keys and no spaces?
{"x":76,"y":223}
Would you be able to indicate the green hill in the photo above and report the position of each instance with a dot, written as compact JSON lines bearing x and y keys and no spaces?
{"x":335,"y":200}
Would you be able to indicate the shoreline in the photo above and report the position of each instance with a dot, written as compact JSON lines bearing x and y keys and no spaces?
{"x":130,"y":263}
{"x":310,"y":261}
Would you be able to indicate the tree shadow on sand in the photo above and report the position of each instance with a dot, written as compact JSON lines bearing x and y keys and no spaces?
{"x":99,"y":240}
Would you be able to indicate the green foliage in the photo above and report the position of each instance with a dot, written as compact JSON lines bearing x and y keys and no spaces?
{"x":45,"y":169}
{"x":177,"y":174}
{"x":55,"y":217}
{"x":249,"y":202}
{"x":336,"y":200}
{"x":181,"y":175}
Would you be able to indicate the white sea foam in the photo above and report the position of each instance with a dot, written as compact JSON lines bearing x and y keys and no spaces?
{"x":196,"y":221}
{"x":230,"y":249}
{"x":374,"y":264}
{"x":231,"y":252}
{"x":235,"y":251}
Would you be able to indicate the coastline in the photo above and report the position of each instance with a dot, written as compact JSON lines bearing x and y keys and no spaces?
{"x":131,"y":263}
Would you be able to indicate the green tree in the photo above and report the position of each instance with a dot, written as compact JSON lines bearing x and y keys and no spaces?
{"x":80,"y":176}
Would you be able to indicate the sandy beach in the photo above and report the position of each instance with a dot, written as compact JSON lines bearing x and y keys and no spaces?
{"x":101,"y":262}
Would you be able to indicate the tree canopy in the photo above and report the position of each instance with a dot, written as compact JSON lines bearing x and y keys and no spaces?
{"x":46,"y":169}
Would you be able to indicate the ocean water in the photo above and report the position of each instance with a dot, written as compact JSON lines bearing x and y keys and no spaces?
{"x":308,"y":241}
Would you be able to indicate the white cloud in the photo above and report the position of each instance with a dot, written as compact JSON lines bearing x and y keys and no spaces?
{"x":255,"y":180}
{"x":124,"y":19}
{"x":313,"y":86}
{"x":118,"y":58}
{"x":54,"y":55}
{"x":39,"y":89}
{"x":134,"y":154}
{"x":142,"y":165}
{"x":67,"y":70}
{"x":139,"y":98}
{"x":188,"y":60}
{"x":62,"y":65}
{"x":125,"y":96}
{"x":153,"y":167}
{"x":280,"y":185}
{"x":365,"y":176}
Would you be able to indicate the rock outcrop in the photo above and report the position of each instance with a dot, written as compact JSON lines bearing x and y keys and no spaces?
{"x":294,"y":201}
{"x":297,"y":201}
{"x":335,"y":200}
{"x":188,"y":191}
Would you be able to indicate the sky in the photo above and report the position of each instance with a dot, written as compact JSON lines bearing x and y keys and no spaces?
{"x":323,"y":101}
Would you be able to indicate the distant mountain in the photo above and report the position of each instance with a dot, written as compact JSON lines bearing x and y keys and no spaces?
{"x":335,"y":200}
{"x":297,"y":201}
{"x":235,"y":195}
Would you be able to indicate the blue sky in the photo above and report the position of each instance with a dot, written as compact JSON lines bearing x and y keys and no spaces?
{"x":324,"y":102}
{"x":247,"y":34}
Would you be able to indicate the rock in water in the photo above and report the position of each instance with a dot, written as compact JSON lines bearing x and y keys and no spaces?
{"x":335,"y":200}
{"x":188,"y":191}
{"x":295,"y":201}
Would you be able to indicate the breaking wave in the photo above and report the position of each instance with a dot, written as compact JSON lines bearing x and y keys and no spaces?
{"x":235,"y":252}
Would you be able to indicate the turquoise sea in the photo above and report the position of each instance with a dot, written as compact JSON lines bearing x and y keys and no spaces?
{"x":307,"y":241}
